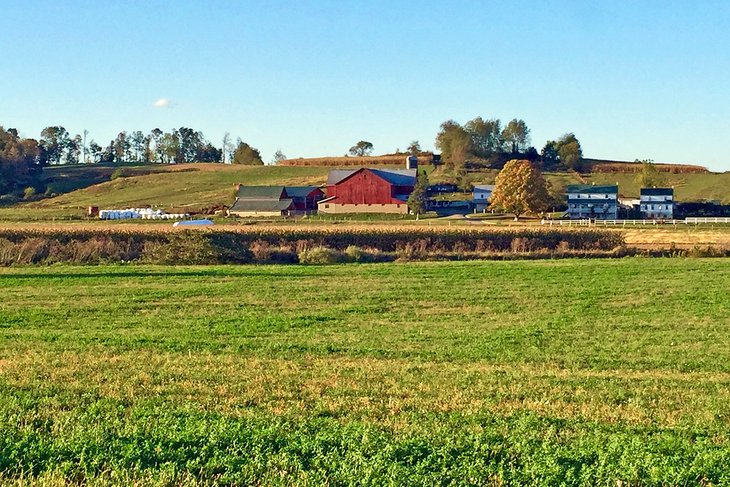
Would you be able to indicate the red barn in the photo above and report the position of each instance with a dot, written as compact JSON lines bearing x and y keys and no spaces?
{"x":368,"y":191}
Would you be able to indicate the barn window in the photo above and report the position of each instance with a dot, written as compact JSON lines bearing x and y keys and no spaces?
{"x":327,"y":205}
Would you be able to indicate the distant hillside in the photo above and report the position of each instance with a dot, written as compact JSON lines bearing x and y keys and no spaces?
{"x":185,"y":187}
{"x":194,"y":187}
{"x":384,"y":160}
{"x":687,"y":187}
{"x":590,"y":165}
{"x":607,"y":166}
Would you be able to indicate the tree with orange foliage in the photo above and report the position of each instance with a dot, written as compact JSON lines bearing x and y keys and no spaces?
{"x":520,"y":188}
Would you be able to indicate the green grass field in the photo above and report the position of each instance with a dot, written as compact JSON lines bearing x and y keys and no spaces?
{"x":571,"y":372}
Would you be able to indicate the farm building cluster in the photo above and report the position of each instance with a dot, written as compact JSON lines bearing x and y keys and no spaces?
{"x":371,"y":190}
{"x":348,"y":191}
{"x":386,"y":191}
{"x":603,"y":203}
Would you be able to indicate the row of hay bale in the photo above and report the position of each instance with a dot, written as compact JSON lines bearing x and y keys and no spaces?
{"x":140,"y":213}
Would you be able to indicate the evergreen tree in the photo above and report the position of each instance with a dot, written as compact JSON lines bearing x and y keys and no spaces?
{"x":417,"y":199}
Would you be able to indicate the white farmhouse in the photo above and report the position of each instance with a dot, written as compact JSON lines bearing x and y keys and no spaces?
{"x":657,"y":203}
{"x":588,"y":201}
{"x":482,"y":193}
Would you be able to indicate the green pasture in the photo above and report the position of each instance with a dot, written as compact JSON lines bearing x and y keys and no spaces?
{"x":570,"y":372}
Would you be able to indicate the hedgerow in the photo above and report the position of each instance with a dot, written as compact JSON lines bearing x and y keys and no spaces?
{"x":263,"y":245}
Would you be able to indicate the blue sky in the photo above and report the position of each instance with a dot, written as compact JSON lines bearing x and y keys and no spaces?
{"x":640,"y":79}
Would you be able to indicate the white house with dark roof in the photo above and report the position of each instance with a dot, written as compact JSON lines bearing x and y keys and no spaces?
{"x":586,"y":201}
{"x":657,"y":203}
{"x":481,"y":196}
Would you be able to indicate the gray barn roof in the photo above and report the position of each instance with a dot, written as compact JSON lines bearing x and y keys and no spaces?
{"x":257,"y":192}
{"x":299,"y":191}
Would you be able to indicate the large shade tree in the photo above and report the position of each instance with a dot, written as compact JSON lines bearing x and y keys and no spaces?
{"x":454,"y":142}
{"x":53,"y":144}
{"x":486,"y":136}
{"x":19,"y":161}
{"x":414,"y":148}
{"x":516,"y":135}
{"x":520,"y":189}
{"x":362,"y":148}
{"x":566,"y":152}
{"x":247,"y":155}
{"x":570,"y":152}
{"x":649,"y":175}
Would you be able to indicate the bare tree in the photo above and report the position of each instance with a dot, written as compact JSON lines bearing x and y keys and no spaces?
{"x":227,"y":148}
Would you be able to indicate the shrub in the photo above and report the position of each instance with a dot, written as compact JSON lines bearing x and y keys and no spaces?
{"x":182,"y":248}
{"x":261,"y":250}
{"x":321,"y":255}
{"x":32,"y":251}
{"x":8,"y":199}
{"x":29,"y":193}
{"x":708,"y":251}
{"x":355,"y":253}
{"x":7,"y":251}
{"x":120,"y":172}
{"x":519,"y":244}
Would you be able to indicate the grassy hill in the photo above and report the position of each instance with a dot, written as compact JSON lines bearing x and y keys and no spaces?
{"x":184,"y":186}
{"x":687,"y":187}
{"x":191,"y":187}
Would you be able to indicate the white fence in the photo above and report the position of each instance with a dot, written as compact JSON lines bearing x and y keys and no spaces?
{"x":710,"y":219}
{"x":588,"y":223}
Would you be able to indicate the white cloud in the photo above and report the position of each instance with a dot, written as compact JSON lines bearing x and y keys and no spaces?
{"x":161,"y":103}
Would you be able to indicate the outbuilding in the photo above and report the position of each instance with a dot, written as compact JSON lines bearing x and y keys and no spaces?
{"x":272,"y":201}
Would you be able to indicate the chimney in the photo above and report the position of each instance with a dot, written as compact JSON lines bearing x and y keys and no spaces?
{"x":411,"y":162}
